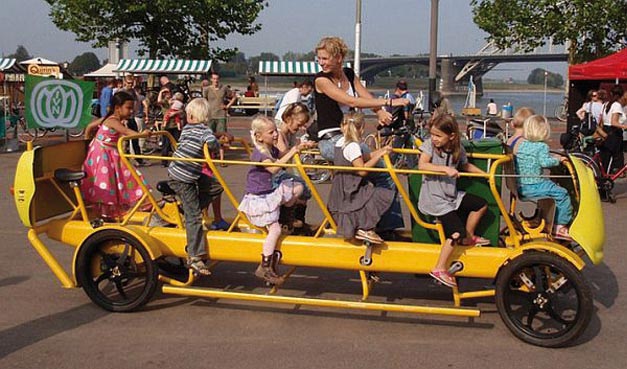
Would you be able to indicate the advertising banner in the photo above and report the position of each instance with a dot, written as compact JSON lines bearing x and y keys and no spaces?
{"x":57,"y":103}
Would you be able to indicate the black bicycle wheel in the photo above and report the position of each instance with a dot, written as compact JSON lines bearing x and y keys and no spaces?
{"x":543,"y":299}
{"x":116,"y":271}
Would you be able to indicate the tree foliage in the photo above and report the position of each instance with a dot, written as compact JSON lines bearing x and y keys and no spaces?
{"x":179,"y":28}
{"x":593,"y":28}
{"x":20,"y":54}
{"x":84,"y":63}
{"x":536,"y":77}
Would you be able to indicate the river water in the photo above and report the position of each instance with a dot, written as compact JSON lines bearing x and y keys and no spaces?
{"x":532,"y":99}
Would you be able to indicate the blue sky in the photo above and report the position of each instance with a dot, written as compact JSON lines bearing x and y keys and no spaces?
{"x":388,"y":27}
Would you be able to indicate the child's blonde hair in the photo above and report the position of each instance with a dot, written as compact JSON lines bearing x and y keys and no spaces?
{"x":258,"y":124}
{"x":333,"y":45}
{"x":536,"y":128}
{"x":198,"y":108}
{"x":294,"y":109}
{"x":352,"y":127}
{"x":521,"y":116}
{"x":178,"y":96}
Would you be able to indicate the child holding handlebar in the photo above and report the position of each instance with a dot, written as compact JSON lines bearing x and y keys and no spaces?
{"x":458,"y":211}
{"x":263,"y":199}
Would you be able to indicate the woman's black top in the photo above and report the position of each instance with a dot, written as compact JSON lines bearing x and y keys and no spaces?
{"x":329,"y":112}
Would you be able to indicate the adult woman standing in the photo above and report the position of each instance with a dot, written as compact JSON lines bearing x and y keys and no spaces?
{"x":337,"y":91}
{"x":612,"y":118}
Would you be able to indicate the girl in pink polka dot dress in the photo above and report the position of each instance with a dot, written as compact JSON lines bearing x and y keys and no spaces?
{"x":109,"y":184}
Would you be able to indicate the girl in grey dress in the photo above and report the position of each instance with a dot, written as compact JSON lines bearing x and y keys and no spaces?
{"x":459,"y":212}
{"x":355,"y":203}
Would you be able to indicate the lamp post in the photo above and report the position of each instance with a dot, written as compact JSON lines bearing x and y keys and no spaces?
{"x":433,"y":49}
{"x":546,"y":75}
{"x":357,"y":58}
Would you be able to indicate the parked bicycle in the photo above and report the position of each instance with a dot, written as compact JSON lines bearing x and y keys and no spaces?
{"x":561,"y":111}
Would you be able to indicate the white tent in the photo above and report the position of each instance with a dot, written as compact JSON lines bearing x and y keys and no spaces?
{"x":105,"y":71}
{"x":149,"y":66}
{"x":39,"y":61}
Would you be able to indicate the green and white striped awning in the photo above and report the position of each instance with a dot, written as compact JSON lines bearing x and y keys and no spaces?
{"x":9,"y":65}
{"x":179,"y":66}
{"x":289,"y":68}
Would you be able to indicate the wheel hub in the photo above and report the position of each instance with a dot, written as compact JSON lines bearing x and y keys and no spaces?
{"x":541,"y":300}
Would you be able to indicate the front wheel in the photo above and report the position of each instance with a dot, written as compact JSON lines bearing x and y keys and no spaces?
{"x":543,"y":299}
{"x":116,"y":271}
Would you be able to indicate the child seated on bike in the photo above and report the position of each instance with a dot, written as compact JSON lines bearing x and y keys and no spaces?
{"x":355,"y":203}
{"x":532,"y":157}
{"x":293,"y":120}
{"x":263,"y":200}
{"x":458,"y":211}
{"x":517,"y":125}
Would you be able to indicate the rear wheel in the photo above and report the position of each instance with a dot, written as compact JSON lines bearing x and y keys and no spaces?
{"x":116,"y":271}
{"x":543,"y":299}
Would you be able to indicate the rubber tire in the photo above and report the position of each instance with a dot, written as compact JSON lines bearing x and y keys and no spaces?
{"x":574,"y":276}
{"x":85,"y":279}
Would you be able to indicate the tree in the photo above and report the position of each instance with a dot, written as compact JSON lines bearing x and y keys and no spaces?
{"x":593,"y":28}
{"x":536,"y":77}
{"x":84,"y":63}
{"x":20,"y":54}
{"x":180,"y":28}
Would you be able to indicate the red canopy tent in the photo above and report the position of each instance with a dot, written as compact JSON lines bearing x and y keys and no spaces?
{"x":612,"y":67}
{"x":594,"y":75}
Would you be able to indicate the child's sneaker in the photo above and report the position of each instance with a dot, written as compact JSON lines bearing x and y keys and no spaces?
{"x":443,"y":277}
{"x":197,"y":265}
{"x":370,"y":236}
{"x":222,"y":225}
{"x":561,"y":233}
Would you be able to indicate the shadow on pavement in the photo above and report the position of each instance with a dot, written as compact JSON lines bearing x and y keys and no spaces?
{"x":604,"y":284}
{"x":16,"y":338}
{"x":13,"y":280}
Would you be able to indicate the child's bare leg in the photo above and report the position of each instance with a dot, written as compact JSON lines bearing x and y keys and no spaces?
{"x":274,"y":232}
{"x":473,"y":220}
{"x":216,"y":206}
{"x":445,"y":253}
{"x":298,"y":192}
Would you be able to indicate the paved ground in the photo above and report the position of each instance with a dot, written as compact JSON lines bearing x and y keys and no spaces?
{"x":43,"y":325}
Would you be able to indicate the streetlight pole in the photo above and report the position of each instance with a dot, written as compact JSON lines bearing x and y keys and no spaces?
{"x":433,"y":50}
{"x":357,"y":58}
{"x":546,"y":75}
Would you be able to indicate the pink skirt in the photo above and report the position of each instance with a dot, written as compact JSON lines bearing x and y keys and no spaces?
{"x":263,"y":210}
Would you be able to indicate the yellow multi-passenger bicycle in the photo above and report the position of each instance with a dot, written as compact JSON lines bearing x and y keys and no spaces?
{"x":540,"y":292}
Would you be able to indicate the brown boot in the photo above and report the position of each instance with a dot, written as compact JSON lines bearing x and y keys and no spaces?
{"x":265,"y":272}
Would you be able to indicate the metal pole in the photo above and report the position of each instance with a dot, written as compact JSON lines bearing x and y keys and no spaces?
{"x":357,"y":58}
{"x":546,"y":75}
{"x":433,"y":50}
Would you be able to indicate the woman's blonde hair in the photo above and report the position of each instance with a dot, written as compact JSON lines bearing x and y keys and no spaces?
{"x":521,"y":116}
{"x":258,"y":124}
{"x":536,"y":128}
{"x":198,"y":108}
{"x":333,"y":45}
{"x":352,"y":126}
{"x":294,"y":109}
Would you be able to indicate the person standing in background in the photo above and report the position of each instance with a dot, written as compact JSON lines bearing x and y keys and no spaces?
{"x":294,"y":95}
{"x":105,"y":97}
{"x":217,"y":94}
{"x":131,"y":122}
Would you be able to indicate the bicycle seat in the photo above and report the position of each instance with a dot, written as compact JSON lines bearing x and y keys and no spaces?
{"x":68,"y":175}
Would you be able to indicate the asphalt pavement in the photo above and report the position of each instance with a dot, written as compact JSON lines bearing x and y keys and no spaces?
{"x":43,"y":325}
